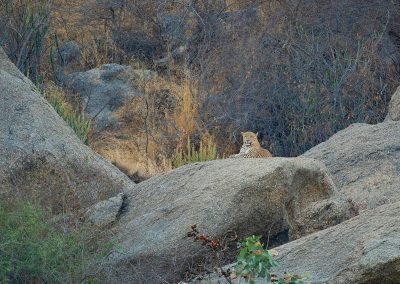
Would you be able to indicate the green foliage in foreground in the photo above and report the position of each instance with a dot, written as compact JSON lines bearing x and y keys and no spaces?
{"x":31,"y":251}
{"x":254,"y":260}
{"x":206,"y":152}
{"x":77,"y":122}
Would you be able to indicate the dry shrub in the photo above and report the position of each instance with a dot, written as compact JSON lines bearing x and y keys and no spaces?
{"x":24,"y":29}
{"x":206,"y":151}
{"x":153,"y":125}
{"x":128,"y":154}
{"x":295,"y":71}
{"x":77,"y":121}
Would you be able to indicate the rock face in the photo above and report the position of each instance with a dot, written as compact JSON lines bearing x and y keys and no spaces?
{"x":105,"y":212}
{"x":364,"y":161}
{"x":109,"y":95}
{"x":104,"y":90}
{"x":249,"y":196}
{"x":41,"y":158}
{"x":364,"y":249}
{"x":394,"y":107}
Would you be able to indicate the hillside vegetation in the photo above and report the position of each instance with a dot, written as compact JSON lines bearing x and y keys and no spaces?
{"x":152,"y":85}
{"x":295,"y":71}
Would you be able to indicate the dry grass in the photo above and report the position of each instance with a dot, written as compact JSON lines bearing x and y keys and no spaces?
{"x":129,"y":155}
{"x":206,"y":151}
{"x":248,"y":65}
{"x":77,"y":121}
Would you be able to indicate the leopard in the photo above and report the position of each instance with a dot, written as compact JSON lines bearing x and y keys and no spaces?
{"x":251,"y":148}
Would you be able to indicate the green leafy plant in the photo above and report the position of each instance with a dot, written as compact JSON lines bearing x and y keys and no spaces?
{"x":254,"y":260}
{"x":206,"y":151}
{"x":77,"y":122}
{"x":32,"y":251}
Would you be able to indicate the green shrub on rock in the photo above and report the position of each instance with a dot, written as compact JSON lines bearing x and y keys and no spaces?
{"x":254,"y":260}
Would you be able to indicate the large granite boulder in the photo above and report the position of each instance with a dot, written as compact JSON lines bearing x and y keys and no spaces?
{"x":104,"y":90}
{"x":362,"y":250}
{"x":365,"y":249}
{"x":364,"y":161}
{"x":41,"y":158}
{"x":249,"y":196}
{"x":110,"y":96}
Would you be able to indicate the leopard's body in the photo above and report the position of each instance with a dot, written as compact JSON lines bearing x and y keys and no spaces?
{"x":251,"y":148}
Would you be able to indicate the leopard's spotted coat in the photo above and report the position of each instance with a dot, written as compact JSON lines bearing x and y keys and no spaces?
{"x":251,"y":148}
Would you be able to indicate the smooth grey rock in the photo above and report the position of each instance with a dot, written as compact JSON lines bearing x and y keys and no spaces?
{"x":249,"y":196}
{"x":41,"y":158}
{"x":105,"y":212}
{"x":104,"y":90}
{"x":364,"y":161}
{"x":362,"y":250}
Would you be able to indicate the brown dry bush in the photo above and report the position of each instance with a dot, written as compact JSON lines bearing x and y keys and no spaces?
{"x":296,"y":71}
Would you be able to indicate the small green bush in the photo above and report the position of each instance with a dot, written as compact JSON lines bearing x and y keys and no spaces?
{"x":254,"y":260}
{"x":77,"y":122}
{"x":31,"y":251}
{"x":206,"y":152}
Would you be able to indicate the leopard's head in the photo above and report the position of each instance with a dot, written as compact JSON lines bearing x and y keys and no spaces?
{"x":250,"y":139}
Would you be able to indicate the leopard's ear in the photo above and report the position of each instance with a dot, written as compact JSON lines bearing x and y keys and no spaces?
{"x":257,"y":134}
{"x":241,"y":133}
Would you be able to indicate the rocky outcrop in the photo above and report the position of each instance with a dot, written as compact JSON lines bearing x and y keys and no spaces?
{"x":41,"y":158}
{"x":248,"y":196}
{"x":394,"y":107}
{"x":364,"y":161}
{"x":364,"y":249}
{"x":109,"y":96}
{"x":105,"y":212}
{"x":104,"y":90}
